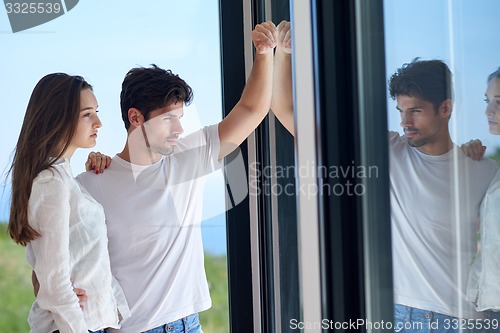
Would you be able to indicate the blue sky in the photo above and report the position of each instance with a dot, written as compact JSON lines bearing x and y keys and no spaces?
{"x":102,"y":40}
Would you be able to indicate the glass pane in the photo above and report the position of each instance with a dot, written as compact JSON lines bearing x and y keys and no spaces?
{"x":286,"y":224}
{"x":102,"y":41}
{"x":436,"y":191}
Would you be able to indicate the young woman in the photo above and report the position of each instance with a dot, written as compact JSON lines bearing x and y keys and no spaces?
{"x":60,"y":224}
{"x":484,"y":285}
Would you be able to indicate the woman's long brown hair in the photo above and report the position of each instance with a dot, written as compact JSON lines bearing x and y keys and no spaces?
{"x":49,"y":125}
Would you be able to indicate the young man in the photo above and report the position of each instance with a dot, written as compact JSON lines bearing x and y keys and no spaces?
{"x":435,"y":195}
{"x":152,"y":191}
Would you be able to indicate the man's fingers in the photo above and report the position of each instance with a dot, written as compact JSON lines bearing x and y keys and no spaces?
{"x":284,"y":36}
{"x":265,"y":37}
{"x":283,"y":24}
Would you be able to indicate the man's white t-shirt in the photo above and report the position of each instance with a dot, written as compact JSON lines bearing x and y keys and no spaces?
{"x":435,"y":218}
{"x":153,"y":215}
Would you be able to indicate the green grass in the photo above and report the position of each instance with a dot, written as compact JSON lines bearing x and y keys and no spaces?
{"x":16,"y":292}
{"x":216,"y":319}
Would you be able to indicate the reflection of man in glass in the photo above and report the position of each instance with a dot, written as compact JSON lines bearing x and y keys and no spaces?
{"x":152,"y":193}
{"x":435,"y":195}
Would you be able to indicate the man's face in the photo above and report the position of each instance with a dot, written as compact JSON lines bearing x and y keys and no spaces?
{"x":163,"y":128}
{"x":422,"y":123}
{"x":493,"y":106}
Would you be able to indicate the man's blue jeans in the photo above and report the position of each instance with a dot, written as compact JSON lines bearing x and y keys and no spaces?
{"x":495,"y":320}
{"x":189,"y":324}
{"x":413,"y":320}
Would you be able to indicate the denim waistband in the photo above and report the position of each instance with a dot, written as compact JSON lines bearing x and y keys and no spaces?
{"x":101,"y":331}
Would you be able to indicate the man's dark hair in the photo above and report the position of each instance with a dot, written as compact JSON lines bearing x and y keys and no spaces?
{"x":430,"y":80}
{"x":148,"y":89}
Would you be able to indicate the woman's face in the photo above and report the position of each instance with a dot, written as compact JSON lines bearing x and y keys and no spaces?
{"x":493,"y":105}
{"x":88,"y":122}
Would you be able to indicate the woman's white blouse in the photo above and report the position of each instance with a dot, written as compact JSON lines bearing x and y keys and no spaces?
{"x":72,"y":252}
{"x":483,"y":286}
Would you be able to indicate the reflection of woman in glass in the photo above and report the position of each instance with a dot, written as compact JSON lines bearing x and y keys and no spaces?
{"x":61,"y":225}
{"x":484,"y":279}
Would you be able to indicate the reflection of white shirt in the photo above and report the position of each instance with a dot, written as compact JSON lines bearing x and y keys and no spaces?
{"x":484,"y":277}
{"x":72,"y":247}
{"x":435,"y":217}
{"x":153,"y":215}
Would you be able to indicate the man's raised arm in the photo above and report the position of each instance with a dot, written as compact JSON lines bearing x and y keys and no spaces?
{"x":255,"y":101}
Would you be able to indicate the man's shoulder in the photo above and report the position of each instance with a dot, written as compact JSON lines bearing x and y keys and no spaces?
{"x":393,"y":135}
{"x":398,"y":145}
{"x":395,"y":138}
{"x":200,"y":136}
{"x":483,"y":163}
{"x":482,"y":170}
{"x":98,"y":186}
{"x":91,"y":179}
{"x":488,"y":162}
{"x":88,"y":179}
{"x":489,"y":165}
